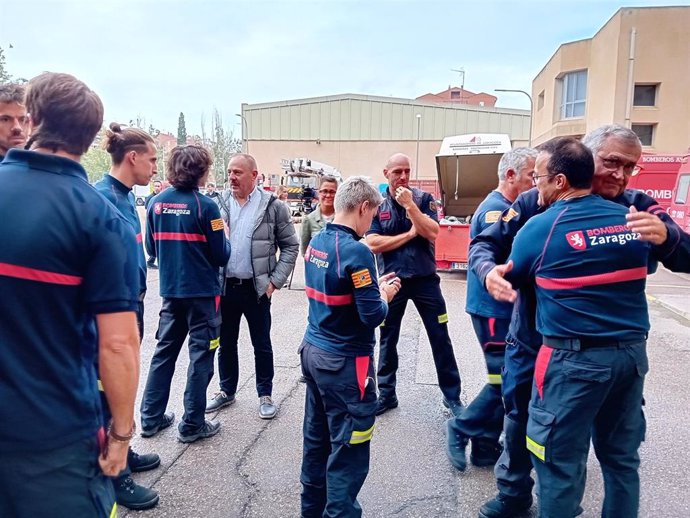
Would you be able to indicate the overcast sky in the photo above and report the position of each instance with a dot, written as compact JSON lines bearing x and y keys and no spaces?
{"x":156,"y":58}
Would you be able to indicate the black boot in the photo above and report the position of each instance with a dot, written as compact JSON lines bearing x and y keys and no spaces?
{"x":485,"y":452}
{"x":133,"y":496}
{"x":144,"y":462}
{"x":503,"y":506}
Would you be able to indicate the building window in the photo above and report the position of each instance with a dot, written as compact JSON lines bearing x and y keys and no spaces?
{"x":540,"y":100}
{"x":645,"y":95}
{"x":645,"y":132}
{"x":455,"y":94}
{"x":574,"y":94}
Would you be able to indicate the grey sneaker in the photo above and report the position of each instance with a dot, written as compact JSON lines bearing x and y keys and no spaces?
{"x":267,"y":410}
{"x":209,"y":429}
{"x":218,"y":401}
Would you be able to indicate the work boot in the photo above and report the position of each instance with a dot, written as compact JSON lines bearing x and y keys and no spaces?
{"x":454,"y":406}
{"x":209,"y":429}
{"x":145,"y":462}
{"x":384,"y":404}
{"x":219,"y":400}
{"x":133,"y":496}
{"x":267,"y":410}
{"x":485,"y":452}
{"x":456,"y":443}
{"x":503,"y":506}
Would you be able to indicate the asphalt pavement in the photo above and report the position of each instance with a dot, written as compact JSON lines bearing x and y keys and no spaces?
{"x":251,"y":468}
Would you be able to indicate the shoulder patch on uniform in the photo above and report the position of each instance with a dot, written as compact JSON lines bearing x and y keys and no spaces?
{"x":217,"y":224}
{"x":384,"y":215}
{"x":510,"y":214}
{"x":361,"y":278}
{"x":492,"y":216}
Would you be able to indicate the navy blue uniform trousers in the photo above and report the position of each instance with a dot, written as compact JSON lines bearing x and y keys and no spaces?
{"x":240,"y":299}
{"x":62,"y":482}
{"x":483,"y":417}
{"x":581,"y":394}
{"x":339,"y":415}
{"x":200,"y":319}
{"x":426,"y":294}
{"x":513,"y":468}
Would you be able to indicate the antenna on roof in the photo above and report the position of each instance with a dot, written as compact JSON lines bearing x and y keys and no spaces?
{"x":461,"y":70}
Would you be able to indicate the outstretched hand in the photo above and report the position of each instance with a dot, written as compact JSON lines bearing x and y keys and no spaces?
{"x":497,"y":286}
{"x":649,"y":226}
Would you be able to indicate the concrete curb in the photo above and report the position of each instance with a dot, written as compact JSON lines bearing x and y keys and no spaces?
{"x":671,"y":307}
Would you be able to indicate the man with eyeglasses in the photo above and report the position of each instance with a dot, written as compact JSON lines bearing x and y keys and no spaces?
{"x":324,"y":212}
{"x":616,"y":150}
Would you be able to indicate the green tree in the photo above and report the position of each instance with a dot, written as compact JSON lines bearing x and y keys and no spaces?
{"x":5,"y":76}
{"x":181,"y":131}
{"x":223,"y":145}
{"x":96,"y":160}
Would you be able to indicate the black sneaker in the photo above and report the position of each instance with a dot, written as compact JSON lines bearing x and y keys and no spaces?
{"x":503,"y":506}
{"x":145,"y":462}
{"x":219,"y":400}
{"x":455,"y":447}
{"x":454,"y":406}
{"x":384,"y":404}
{"x":485,"y":452}
{"x":133,"y":496}
{"x":209,"y":429}
{"x":166,"y":421}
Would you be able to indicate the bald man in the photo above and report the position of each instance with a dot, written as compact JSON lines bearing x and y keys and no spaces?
{"x":404,"y":231}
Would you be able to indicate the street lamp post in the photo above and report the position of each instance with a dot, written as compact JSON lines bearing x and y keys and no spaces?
{"x":245,"y":132}
{"x":416,"y":157}
{"x":531,"y":108}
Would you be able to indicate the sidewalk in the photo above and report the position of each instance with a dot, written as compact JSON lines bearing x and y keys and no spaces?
{"x":671,"y":291}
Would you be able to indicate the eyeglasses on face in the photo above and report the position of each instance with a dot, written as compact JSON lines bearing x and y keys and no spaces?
{"x":614,"y":164}
{"x":327,"y":192}
{"x":536,"y":176}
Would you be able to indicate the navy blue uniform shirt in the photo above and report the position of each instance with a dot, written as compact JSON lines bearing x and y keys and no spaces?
{"x":590,"y":270}
{"x":494,"y":244}
{"x":185,"y":232}
{"x":67,"y":255}
{"x":416,"y":258}
{"x":122,"y":197}
{"x":345,"y":305}
{"x":479,"y":302}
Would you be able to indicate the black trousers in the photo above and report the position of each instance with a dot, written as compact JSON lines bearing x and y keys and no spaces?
{"x":240,"y":299}
{"x":426,"y":294}
{"x":200,"y":319}
{"x":339,"y":415}
{"x":64,"y":482}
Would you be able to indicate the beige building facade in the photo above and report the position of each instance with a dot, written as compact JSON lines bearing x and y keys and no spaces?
{"x":357,"y":133}
{"x":635,"y":71}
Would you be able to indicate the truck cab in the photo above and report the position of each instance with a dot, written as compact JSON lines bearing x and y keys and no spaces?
{"x":467,"y":169}
{"x":656,"y":176}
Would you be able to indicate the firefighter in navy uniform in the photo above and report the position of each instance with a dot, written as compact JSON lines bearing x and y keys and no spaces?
{"x":482,"y":420}
{"x":187,"y":235}
{"x":59,"y":310}
{"x":616,"y":150}
{"x":404,"y":231}
{"x":337,"y":354}
{"x":133,"y":154}
{"x":590,"y":273}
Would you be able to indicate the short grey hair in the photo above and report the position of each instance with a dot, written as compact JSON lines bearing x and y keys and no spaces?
{"x":515,"y":159}
{"x":596,"y":138}
{"x":328,"y":178}
{"x":12,"y":93}
{"x":354,"y":191}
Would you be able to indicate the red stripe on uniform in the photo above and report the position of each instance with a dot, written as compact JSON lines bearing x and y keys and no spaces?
{"x":329,"y":300}
{"x":492,"y":324}
{"x":540,"y":367}
{"x":139,"y":237}
{"x":569,"y":283}
{"x":32,"y":274}
{"x":362,"y":369}
{"x":178,"y":236}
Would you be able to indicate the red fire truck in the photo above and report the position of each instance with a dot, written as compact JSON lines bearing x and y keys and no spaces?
{"x":679,"y":209}
{"x":467,"y":168}
{"x":656,"y":176}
